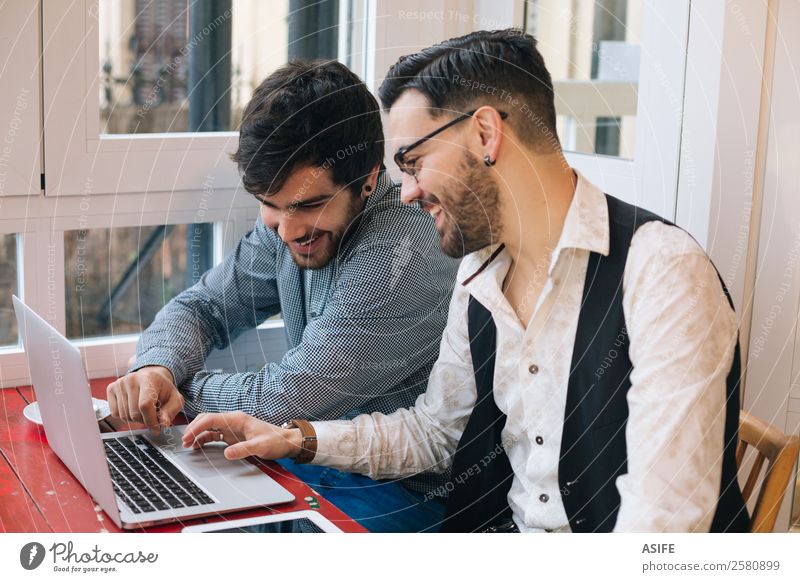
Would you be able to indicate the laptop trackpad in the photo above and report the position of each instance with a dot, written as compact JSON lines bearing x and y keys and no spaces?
{"x":209,"y":461}
{"x":206,"y":462}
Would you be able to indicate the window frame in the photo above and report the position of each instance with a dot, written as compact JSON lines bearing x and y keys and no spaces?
{"x":20,"y":144}
{"x":41,"y":222}
{"x":650,"y":178}
{"x":114,"y":163}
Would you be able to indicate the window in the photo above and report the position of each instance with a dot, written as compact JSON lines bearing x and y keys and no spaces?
{"x":592,"y":52}
{"x":117,"y":279}
{"x":168,"y":82}
{"x":8,"y":286}
{"x":179,"y":66}
{"x":619,"y":70}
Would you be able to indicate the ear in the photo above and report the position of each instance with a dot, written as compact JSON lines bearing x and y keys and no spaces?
{"x":371,"y":182}
{"x":490,"y":131}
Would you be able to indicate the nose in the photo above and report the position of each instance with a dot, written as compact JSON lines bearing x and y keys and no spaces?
{"x":290,"y":228}
{"x":409,"y":190}
{"x":285,"y":223}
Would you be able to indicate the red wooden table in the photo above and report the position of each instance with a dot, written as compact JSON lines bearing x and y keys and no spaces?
{"x":39,"y":494}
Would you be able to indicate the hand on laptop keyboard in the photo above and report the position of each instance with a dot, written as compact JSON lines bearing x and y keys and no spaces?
{"x":147,"y":395}
{"x":245,"y":434}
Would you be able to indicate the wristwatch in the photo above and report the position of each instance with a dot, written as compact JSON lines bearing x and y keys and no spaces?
{"x":308,"y":445}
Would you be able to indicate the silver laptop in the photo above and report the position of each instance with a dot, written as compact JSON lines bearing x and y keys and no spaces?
{"x":139,"y":479}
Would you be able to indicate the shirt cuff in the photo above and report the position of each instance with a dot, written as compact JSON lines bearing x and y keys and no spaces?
{"x":337,"y":445}
{"x":156,"y":358}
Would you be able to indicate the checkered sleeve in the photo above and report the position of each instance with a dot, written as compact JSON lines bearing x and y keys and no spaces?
{"x":382,"y":323}
{"x":236,"y":295}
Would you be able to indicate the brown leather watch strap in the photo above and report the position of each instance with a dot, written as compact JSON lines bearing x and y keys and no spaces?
{"x":309,"y":440}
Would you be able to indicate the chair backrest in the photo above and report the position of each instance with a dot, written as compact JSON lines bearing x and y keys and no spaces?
{"x":781,"y":452}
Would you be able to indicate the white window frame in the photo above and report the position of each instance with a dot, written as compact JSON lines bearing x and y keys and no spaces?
{"x":119,"y":164}
{"x":650,"y":179}
{"x":41,"y":223}
{"x":20,"y":98}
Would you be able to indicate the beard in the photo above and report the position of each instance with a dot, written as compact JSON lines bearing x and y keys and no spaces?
{"x":330,"y":241}
{"x":472,"y":212}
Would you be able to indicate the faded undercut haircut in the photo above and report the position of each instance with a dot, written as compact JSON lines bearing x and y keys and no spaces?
{"x":500,"y":68}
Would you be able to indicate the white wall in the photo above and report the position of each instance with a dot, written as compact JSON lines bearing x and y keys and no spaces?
{"x":773,"y":376}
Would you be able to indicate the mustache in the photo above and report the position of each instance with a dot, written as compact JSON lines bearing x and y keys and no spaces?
{"x":307,"y":236}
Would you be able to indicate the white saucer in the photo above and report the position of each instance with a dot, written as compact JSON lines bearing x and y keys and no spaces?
{"x":101,"y":409}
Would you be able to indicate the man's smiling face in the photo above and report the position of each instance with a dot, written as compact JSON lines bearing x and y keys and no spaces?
{"x":311,"y":215}
{"x":451,"y":182}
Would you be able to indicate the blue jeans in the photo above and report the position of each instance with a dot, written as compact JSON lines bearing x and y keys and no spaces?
{"x":379,"y":506}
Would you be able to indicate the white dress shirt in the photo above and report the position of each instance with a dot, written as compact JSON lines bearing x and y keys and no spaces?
{"x":682,"y":335}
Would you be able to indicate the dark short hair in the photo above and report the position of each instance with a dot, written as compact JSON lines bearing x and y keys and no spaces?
{"x":313,"y":112}
{"x":501,"y":68}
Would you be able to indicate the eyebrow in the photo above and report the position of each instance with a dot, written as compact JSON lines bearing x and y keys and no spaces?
{"x":411,"y":142}
{"x":300,"y":203}
{"x":397,"y":151}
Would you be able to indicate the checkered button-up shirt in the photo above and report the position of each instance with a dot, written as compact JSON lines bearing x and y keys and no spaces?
{"x":363,"y":331}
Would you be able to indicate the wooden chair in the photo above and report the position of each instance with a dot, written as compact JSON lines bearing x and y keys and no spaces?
{"x":781,"y":452}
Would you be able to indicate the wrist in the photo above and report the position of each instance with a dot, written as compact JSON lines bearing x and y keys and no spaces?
{"x":303,"y":440}
{"x":294,"y":442}
{"x":163,"y":371}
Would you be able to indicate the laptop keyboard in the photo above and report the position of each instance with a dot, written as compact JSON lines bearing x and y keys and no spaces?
{"x":146,"y":480}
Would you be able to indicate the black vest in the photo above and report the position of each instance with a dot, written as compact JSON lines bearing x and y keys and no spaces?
{"x":593,"y":448}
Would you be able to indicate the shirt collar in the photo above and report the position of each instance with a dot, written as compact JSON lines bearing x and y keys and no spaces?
{"x":383,"y":185}
{"x":586,"y":224}
{"x":385,"y":191}
{"x":585,"y":227}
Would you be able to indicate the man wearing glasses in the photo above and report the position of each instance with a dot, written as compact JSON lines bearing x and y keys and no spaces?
{"x":357,"y":276}
{"x":587,"y":379}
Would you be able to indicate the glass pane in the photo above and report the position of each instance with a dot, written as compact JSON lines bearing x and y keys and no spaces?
{"x":591,"y":48}
{"x":117,"y":279}
{"x":176,"y":65}
{"x":8,"y":285}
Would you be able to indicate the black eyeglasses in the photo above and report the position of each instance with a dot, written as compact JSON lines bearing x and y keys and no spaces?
{"x":400,"y":156}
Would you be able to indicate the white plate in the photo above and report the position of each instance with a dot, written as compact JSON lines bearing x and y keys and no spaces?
{"x":101,"y":409}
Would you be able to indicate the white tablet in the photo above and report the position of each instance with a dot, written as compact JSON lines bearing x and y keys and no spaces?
{"x":292,"y":522}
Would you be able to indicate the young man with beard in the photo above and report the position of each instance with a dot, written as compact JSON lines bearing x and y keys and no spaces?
{"x":588,"y":376}
{"x":357,"y":276}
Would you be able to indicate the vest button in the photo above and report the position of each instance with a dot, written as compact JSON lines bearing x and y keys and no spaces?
{"x":533,"y":369}
{"x":544,"y":498}
{"x":539,"y":440}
